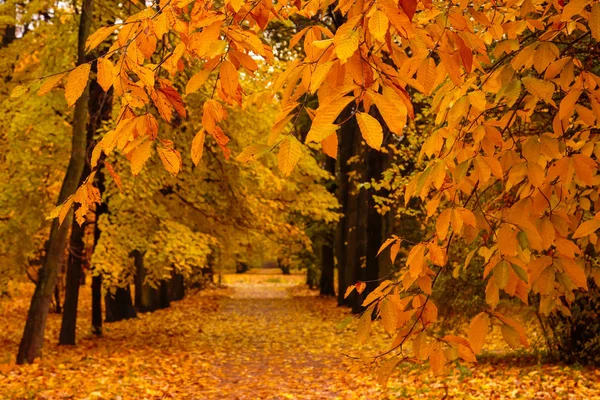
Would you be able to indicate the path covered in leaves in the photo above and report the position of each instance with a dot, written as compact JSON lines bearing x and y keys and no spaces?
{"x":261,"y":338}
{"x":252,"y":340}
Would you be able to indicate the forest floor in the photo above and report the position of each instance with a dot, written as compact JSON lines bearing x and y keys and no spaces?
{"x":262,"y":337}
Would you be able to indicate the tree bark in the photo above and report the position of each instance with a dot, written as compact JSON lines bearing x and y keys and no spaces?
{"x":176,"y":287}
{"x":326,"y":284}
{"x":74,"y":269}
{"x":33,"y":334}
{"x":119,"y":306}
{"x":99,"y":108}
{"x":346,"y":150}
{"x":101,"y":209}
{"x":148,"y":298}
{"x":97,"y":305}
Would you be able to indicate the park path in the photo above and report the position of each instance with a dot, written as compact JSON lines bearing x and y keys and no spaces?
{"x":261,"y":337}
{"x":267,"y":343}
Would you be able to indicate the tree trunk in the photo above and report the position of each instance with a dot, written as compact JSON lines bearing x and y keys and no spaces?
{"x":346,"y":150}
{"x":119,"y":306}
{"x":148,"y":298}
{"x":100,"y":108}
{"x":57,"y":306}
{"x":74,"y":269}
{"x":101,"y":209}
{"x":33,"y":334}
{"x":97,"y":305}
{"x":176,"y":287}
{"x":326,"y":284}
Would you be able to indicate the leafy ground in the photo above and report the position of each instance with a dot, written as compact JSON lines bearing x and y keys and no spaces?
{"x":262,"y":337}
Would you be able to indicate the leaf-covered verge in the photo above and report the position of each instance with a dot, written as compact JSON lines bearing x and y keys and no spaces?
{"x":260,"y":338}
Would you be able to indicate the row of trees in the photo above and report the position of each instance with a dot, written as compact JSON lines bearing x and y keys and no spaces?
{"x":155,"y":231}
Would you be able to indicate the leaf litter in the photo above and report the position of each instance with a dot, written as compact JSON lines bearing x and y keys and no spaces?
{"x":262,"y":337}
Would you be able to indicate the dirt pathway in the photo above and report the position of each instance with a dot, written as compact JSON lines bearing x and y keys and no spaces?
{"x":280,"y":346}
{"x":251,"y":341}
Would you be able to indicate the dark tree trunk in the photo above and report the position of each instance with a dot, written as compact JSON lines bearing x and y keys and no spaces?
{"x":119,"y":306}
{"x":97,"y":305}
{"x":346,"y":149}
{"x":57,"y":306}
{"x":148,"y":298}
{"x":100,"y":106}
{"x":101,"y":209}
{"x":74,"y":270}
{"x":176,"y":287}
{"x":33,"y":334}
{"x":361,"y":229}
{"x":165,"y":301}
{"x":326,"y":284}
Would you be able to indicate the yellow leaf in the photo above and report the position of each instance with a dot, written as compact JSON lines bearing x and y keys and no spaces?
{"x":320,"y":132}
{"x":502,"y":273}
{"x":370,"y":129}
{"x":394,"y":113}
{"x":140,"y":155}
{"x":594,"y":21}
{"x":327,"y":113}
{"x":573,"y":8}
{"x":437,"y":360}
{"x":116,"y":178}
{"x":319,"y":75}
{"x":573,"y":270}
{"x":539,"y":88}
{"x":18,"y":91}
{"x":521,"y":334}
{"x":586,"y":228}
{"x":510,"y":335}
{"x":416,"y":260}
{"x":388,"y":314}
{"x":251,"y":152}
{"x":106,"y":73}
{"x":61,"y":210}
{"x":170,"y":158}
{"x":76,"y":83}
{"x":229,"y":78}
{"x":364,"y":326}
{"x":349,"y":290}
{"x":507,"y":240}
{"x":330,"y":145}
{"x":385,"y":244}
{"x":197,"y":81}
{"x":198,"y":146}
{"x":567,"y":105}
{"x":478,"y":330}
{"x":545,"y":54}
{"x":346,"y":40}
{"x":360,"y":287}
{"x":427,"y":75}
{"x":585,"y":168}
{"x":395,"y":249}
{"x":378,"y":25}
{"x":49,"y":84}
{"x":443,"y":223}
{"x":290,"y":151}
{"x":492,"y":294}
{"x":98,"y":37}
